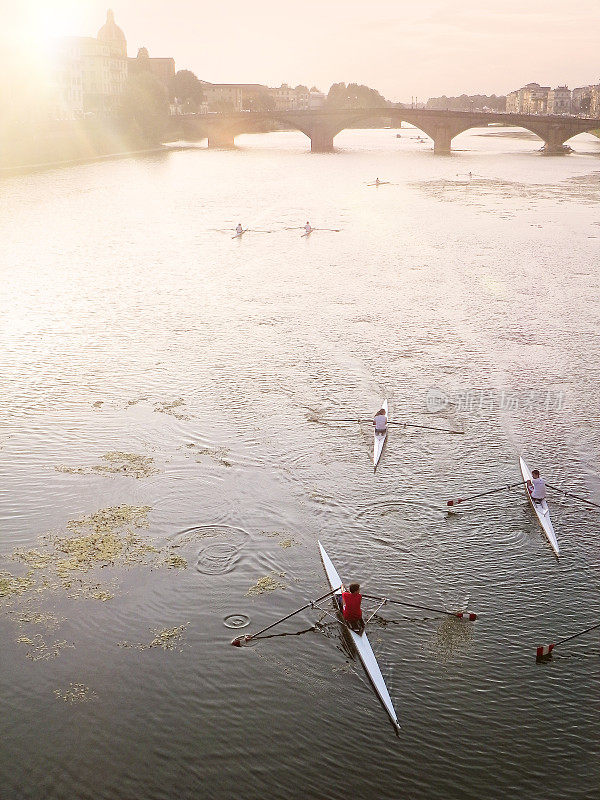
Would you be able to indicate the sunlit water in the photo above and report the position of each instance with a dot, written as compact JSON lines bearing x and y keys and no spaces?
{"x":123,"y":292}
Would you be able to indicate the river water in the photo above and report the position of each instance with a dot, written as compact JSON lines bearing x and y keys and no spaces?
{"x":152,"y":363}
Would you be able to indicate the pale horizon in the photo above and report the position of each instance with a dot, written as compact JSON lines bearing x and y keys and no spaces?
{"x":403,"y":50}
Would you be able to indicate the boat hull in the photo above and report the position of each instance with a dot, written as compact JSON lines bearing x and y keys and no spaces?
{"x":541,"y":511}
{"x":379,"y":440}
{"x":360,"y":643}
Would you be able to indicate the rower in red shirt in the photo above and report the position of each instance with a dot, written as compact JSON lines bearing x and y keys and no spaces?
{"x":351,"y":610}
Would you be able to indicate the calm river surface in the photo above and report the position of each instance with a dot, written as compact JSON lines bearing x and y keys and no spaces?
{"x":152,"y":363}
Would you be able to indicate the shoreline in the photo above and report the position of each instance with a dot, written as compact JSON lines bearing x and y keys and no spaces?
{"x":41,"y":166}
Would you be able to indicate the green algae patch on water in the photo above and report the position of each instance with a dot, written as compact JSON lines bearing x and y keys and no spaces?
{"x":173,"y":561}
{"x":266,"y":584}
{"x":165,"y":638}
{"x":108,"y":519}
{"x":76,"y":693}
{"x":116,"y":462}
{"x":171,"y":408}
{"x":287,"y":541}
{"x":14,"y":585}
{"x":217,"y":454}
{"x":40,"y":650}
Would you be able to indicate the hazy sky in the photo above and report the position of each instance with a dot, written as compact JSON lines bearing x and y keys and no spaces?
{"x":404,"y":48}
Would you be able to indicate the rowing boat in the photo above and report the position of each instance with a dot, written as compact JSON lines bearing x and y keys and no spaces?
{"x":379,"y":440}
{"x":240,"y":234}
{"x":541,"y":510}
{"x":359,"y":641}
{"x":308,"y":233}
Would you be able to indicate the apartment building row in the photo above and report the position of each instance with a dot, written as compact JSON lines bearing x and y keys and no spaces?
{"x":255,"y":96}
{"x":536,"y":99}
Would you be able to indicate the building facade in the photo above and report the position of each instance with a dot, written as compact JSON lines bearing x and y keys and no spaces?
{"x":559,"y":100}
{"x":530,"y":99}
{"x":163,"y":69}
{"x":88,"y":75}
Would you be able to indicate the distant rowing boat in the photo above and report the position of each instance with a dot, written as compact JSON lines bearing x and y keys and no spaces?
{"x":541,"y":510}
{"x":379,"y":440}
{"x":360,"y":642}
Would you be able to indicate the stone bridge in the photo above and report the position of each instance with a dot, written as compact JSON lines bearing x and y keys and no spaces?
{"x":322,"y":126}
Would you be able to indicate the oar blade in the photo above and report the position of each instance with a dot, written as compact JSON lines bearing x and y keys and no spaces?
{"x":545,"y":650}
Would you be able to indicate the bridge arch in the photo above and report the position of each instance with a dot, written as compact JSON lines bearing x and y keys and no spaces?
{"x":322,"y":126}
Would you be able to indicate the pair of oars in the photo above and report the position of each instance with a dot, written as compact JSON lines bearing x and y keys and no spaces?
{"x":239,"y":641}
{"x":520,"y":483}
{"x":400,"y":424}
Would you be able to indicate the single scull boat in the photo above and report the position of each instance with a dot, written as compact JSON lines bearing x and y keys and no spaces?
{"x":542,"y":511}
{"x":379,"y":440}
{"x":360,"y":642}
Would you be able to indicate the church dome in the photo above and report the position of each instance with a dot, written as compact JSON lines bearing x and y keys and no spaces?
{"x":111,"y":34}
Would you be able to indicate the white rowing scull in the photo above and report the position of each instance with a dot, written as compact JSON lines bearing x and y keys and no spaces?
{"x":360,"y":642}
{"x":379,"y":440}
{"x":541,"y":510}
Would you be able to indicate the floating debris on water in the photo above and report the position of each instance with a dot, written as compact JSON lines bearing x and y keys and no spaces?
{"x":166,"y":638}
{"x":108,"y":519}
{"x":165,"y":407}
{"x":98,"y":404}
{"x":117,"y":463}
{"x":48,"y":621}
{"x":218,"y":454}
{"x":266,"y":584}
{"x":76,"y":693}
{"x":175,"y":562}
{"x":11,"y":585}
{"x":288,"y":541}
{"x":40,"y":650}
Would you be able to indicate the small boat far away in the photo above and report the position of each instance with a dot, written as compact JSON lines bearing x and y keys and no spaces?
{"x":360,"y":643}
{"x":379,"y":440}
{"x":541,"y":510}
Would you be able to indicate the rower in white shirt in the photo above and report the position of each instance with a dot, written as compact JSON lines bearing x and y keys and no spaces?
{"x":537,"y":487}
{"x":238,"y":228}
{"x":380,"y":421}
{"x":308,"y":228}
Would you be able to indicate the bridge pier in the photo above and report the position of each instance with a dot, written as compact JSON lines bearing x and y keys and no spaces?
{"x":221,"y":138}
{"x":442,"y":142}
{"x":554,"y":139}
{"x":321,"y":141}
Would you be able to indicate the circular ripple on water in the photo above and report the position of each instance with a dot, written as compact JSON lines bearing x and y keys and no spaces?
{"x":236,"y":621}
{"x":217,"y":558}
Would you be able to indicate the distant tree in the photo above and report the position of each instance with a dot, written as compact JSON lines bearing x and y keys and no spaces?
{"x":354,"y":95}
{"x":145,"y":106}
{"x":186,"y":87}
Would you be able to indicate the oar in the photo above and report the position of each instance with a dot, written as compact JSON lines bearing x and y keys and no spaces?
{"x":240,"y":639}
{"x":427,"y":427}
{"x":483,"y":494}
{"x":401,"y":424}
{"x":460,"y":614}
{"x":333,"y":230}
{"x":548,"y":648}
{"x":574,"y":496}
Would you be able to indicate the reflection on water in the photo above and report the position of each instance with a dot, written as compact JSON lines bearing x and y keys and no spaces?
{"x":150,"y":362}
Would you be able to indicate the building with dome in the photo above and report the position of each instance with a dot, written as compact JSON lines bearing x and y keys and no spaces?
{"x":90,"y":73}
{"x":111,"y":35}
